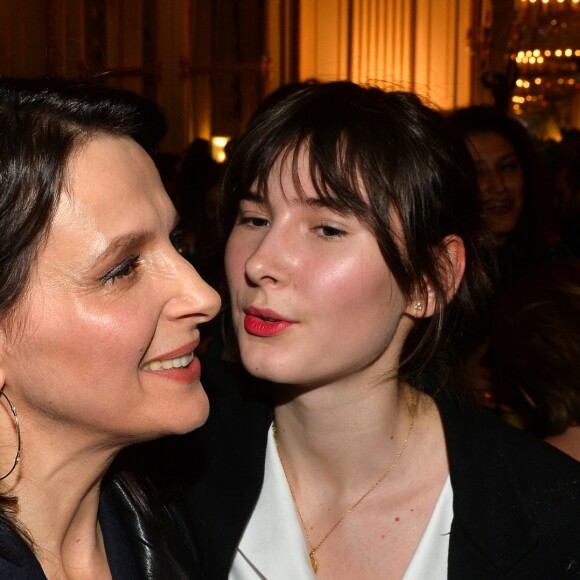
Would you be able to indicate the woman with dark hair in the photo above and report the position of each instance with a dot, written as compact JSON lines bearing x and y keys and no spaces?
{"x":512,"y":192}
{"x":521,"y":230}
{"x":353,"y":267}
{"x":99,"y":320}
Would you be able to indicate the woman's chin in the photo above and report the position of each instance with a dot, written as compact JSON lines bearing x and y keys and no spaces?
{"x":182,"y":418}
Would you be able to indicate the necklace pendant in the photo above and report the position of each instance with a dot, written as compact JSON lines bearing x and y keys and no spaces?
{"x":313,"y":562}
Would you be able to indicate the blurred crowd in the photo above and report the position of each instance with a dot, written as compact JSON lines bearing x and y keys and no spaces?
{"x":522,"y":359}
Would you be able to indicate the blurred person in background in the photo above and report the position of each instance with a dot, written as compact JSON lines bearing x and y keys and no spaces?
{"x":512,"y":192}
{"x":535,"y":342}
{"x":521,"y":230}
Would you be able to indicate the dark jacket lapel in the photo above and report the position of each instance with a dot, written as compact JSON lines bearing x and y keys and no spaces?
{"x":509,"y":498}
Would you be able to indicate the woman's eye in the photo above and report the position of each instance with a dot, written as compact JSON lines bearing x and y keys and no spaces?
{"x":510,"y":168}
{"x":176,"y":237}
{"x":123,"y":270}
{"x":331,"y":232}
{"x":253,"y":221}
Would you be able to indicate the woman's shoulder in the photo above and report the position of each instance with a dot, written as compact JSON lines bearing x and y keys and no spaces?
{"x":478,"y":436}
{"x":227,"y":456}
{"x":516,"y":498}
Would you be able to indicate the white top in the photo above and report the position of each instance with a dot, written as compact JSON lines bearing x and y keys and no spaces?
{"x":273,"y":546}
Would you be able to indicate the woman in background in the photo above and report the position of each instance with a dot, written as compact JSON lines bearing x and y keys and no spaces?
{"x":512,"y":192}
{"x":521,"y":230}
{"x":353,"y":267}
{"x":99,"y":320}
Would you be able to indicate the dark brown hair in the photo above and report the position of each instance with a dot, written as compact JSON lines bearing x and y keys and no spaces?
{"x":42,"y":123}
{"x":403,"y":156}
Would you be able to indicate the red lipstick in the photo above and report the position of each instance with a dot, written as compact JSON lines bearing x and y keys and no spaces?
{"x":265,"y":323}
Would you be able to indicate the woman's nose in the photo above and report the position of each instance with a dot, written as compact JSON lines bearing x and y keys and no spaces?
{"x":192,"y":297}
{"x":492,"y":182}
{"x":270,"y":260}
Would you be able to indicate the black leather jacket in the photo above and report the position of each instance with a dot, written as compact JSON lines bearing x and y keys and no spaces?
{"x":159,"y":549}
{"x":164,"y":550}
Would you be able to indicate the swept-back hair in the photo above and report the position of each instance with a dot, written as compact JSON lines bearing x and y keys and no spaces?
{"x":389,"y":159}
{"x":42,"y":121}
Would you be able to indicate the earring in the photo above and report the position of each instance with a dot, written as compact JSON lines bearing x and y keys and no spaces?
{"x":17,"y":423}
{"x":418,"y":306}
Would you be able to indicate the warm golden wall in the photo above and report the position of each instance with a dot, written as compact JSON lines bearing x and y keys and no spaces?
{"x":208,"y":63}
{"x":418,"y":45}
{"x":201,"y":60}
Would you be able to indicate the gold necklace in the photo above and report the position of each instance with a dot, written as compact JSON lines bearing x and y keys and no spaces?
{"x":390,"y":468}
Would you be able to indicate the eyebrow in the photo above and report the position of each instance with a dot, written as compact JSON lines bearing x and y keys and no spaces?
{"x":508,"y":156}
{"x":124,"y":243}
{"x":127,"y":242}
{"x":253,"y":197}
{"x":315,"y":202}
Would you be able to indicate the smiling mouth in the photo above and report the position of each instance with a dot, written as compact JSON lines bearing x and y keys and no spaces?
{"x":498,"y":204}
{"x":170,"y":363}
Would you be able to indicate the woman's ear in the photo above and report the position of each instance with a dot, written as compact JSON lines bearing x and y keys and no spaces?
{"x":2,"y":369}
{"x":451,"y":258}
{"x":2,"y":373}
{"x":422,"y":307}
{"x":3,"y":354}
{"x":452,"y":264}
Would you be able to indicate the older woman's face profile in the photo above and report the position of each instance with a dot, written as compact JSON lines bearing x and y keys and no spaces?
{"x":109,"y":324}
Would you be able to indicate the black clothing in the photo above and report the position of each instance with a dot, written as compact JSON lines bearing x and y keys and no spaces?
{"x":136,"y":549}
{"x":516,"y":500}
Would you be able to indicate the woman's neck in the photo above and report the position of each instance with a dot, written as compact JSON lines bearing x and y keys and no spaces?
{"x":58,"y":490}
{"x":323,"y":430}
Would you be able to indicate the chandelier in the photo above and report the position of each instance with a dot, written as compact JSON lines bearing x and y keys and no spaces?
{"x":545,"y":47}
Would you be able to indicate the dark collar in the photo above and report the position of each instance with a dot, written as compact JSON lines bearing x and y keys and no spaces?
{"x":489,"y":505}
{"x":117,"y":545}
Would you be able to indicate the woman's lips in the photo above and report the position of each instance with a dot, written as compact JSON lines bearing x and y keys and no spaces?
{"x":185,"y":374}
{"x":264,"y":323}
{"x":498,"y":207}
{"x":179,"y":365}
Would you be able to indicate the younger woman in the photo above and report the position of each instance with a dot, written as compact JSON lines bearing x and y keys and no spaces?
{"x":352,"y":265}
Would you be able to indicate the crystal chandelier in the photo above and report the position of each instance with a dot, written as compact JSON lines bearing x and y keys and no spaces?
{"x":546,"y":49}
